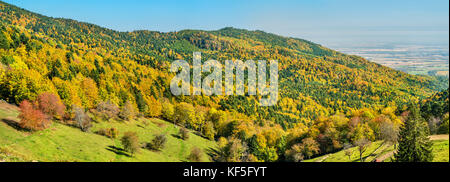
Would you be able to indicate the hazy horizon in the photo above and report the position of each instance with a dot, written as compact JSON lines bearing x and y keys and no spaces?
{"x":324,"y":21}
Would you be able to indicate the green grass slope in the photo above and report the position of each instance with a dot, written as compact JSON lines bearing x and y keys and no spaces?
{"x":65,"y":143}
{"x":441,"y":151}
{"x":382,"y":152}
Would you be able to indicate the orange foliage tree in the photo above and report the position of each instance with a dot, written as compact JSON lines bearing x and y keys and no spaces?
{"x":51,"y":105}
{"x":32,"y":118}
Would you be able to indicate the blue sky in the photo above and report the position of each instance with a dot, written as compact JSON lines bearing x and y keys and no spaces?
{"x":323,"y":21}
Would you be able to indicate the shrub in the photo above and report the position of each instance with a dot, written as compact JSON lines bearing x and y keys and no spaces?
{"x":184,"y":133}
{"x":304,"y":150}
{"x":51,"y":105}
{"x":168,"y":111}
{"x":208,"y":130}
{"x":103,"y":132}
{"x":184,"y":114}
{"x":433,"y":124}
{"x":231,"y":150}
{"x":82,"y":120}
{"x":154,"y":107}
{"x":145,"y":123}
{"x":110,"y":132}
{"x":86,"y":125}
{"x":128,"y":112}
{"x":158,"y":142}
{"x":389,"y":132}
{"x":108,"y":110}
{"x":348,"y":151}
{"x":32,"y":118}
{"x":294,"y":154}
{"x":362,"y":145}
{"x":130,"y":142}
{"x":195,"y":155}
{"x":443,"y":128}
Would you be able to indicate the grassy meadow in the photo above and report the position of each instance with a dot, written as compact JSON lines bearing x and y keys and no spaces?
{"x":382,"y":152}
{"x":64,"y":143}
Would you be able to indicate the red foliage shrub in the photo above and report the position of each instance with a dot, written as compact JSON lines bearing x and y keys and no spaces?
{"x":32,"y":118}
{"x":51,"y":105}
{"x":195,"y":155}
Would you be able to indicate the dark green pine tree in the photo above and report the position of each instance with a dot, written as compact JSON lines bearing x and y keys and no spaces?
{"x":414,"y":144}
{"x":4,"y":44}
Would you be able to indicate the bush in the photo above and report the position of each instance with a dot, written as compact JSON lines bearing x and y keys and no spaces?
{"x":184,"y":114}
{"x":362,"y":145}
{"x":82,"y":120}
{"x":128,"y":112}
{"x":108,"y":110}
{"x":208,"y":130}
{"x":231,"y":150}
{"x":294,"y":154}
{"x":110,"y":132}
{"x":130,"y":142}
{"x":184,"y":133}
{"x":443,"y":128}
{"x":195,"y":155}
{"x":86,"y":125}
{"x":31,"y":118}
{"x":51,"y":105}
{"x":153,"y":108}
{"x":168,"y":111}
{"x":158,"y":142}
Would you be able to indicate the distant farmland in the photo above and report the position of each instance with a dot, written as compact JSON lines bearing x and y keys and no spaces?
{"x":414,"y":59}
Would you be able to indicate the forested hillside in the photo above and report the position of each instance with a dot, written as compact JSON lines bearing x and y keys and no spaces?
{"x":326,"y":98}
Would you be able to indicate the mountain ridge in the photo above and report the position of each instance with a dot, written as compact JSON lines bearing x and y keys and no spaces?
{"x":157,"y":49}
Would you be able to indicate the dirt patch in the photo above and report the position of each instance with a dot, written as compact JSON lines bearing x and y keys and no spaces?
{"x":323,"y":158}
{"x":384,"y":157}
{"x":6,"y":106}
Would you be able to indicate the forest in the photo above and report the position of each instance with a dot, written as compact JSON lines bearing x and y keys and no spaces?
{"x":70,"y":72}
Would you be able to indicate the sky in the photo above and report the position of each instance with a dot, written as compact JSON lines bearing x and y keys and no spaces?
{"x":323,"y":21}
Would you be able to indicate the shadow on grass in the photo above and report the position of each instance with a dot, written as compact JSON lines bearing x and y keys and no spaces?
{"x":151,"y":147}
{"x":140,"y":126}
{"x":372,"y":154}
{"x":177,"y":136}
{"x":118,"y":151}
{"x":213,"y":153}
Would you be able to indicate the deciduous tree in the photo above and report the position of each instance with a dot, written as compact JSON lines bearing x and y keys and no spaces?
{"x":32,"y":118}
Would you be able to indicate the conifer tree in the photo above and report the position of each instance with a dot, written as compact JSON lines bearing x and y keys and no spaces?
{"x":4,"y":44}
{"x":414,"y":144}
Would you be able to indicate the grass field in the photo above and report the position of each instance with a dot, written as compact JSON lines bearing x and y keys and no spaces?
{"x":440,"y":151}
{"x":64,"y":143}
{"x":374,"y":150}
